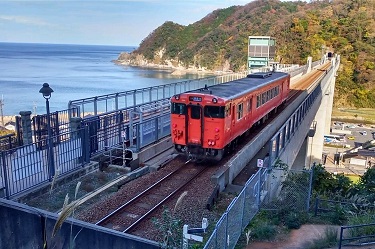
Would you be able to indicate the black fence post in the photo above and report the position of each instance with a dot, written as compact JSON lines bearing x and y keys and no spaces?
{"x":138,"y":139}
{"x":5,"y":174}
{"x":157,"y":127}
{"x":341,"y":235}
{"x":86,"y":144}
{"x":316,"y":206}
{"x":19,"y":131}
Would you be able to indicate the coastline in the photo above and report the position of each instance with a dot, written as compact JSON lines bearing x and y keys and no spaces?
{"x":136,"y":60}
{"x":178,"y":71}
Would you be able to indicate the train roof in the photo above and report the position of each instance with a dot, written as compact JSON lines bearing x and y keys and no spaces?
{"x":241,"y":86}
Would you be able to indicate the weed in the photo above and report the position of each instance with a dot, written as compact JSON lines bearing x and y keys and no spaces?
{"x":293,"y":221}
{"x":88,"y":187}
{"x":169,"y":226}
{"x":264,"y":231}
{"x":102,"y":177}
{"x":329,"y":239}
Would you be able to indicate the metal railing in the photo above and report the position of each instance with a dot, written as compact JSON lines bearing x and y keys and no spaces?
{"x":122,"y":100}
{"x":350,"y":235}
{"x":323,"y":206}
{"x":136,"y":129}
{"x":357,"y":235}
{"x":27,"y":166}
{"x":8,"y":142}
{"x":60,"y":124}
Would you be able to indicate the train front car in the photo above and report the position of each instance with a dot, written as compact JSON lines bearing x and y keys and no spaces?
{"x":207,"y":122}
{"x":197,"y":121}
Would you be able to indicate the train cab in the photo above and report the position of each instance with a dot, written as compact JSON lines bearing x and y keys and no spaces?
{"x":196,"y":123}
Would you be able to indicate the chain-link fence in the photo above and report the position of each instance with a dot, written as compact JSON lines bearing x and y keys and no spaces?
{"x":288,"y":190}
{"x":267,"y":189}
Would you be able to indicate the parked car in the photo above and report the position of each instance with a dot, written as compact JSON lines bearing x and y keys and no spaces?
{"x":351,"y":138}
{"x":351,"y":126}
{"x":364,"y":133}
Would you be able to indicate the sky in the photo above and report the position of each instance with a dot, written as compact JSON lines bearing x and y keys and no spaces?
{"x":100,"y":22}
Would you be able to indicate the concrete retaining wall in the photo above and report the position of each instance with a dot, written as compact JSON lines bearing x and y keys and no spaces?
{"x":23,"y":227}
{"x":154,"y":150}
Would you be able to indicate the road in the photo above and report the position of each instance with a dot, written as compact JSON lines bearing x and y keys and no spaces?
{"x":359,"y":138}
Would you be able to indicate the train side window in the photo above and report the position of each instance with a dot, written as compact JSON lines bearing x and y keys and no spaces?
{"x":227,"y":110}
{"x":195,"y":112}
{"x":178,"y":108}
{"x":249,"y":105}
{"x":264,"y":96}
{"x":239,"y":111}
{"x":258,"y":101}
{"x":214,"y":111}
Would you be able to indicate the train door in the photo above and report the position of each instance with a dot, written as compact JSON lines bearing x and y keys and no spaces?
{"x":233,"y":115}
{"x":194,"y":127}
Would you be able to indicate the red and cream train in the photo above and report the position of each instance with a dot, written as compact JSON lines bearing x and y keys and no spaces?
{"x":206,"y":122}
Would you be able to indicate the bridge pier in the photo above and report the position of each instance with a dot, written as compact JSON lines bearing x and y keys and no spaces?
{"x":323,"y":124}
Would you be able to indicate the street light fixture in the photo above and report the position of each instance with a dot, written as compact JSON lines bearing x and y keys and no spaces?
{"x":46,"y":91}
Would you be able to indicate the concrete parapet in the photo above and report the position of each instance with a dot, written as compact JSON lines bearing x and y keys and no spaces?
{"x":27,"y":227}
{"x":154,"y":150}
{"x":27,"y":135}
{"x":243,"y":157}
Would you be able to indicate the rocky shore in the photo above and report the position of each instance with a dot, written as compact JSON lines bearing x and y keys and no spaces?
{"x":137,"y":60}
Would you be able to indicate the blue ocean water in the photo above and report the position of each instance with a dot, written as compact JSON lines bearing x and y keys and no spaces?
{"x":72,"y":71}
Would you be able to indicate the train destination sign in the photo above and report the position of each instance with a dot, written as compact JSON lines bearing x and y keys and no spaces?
{"x":195,"y":98}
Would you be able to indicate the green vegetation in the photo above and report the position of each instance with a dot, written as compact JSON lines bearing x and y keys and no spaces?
{"x":350,"y":203}
{"x":169,"y":226}
{"x":220,"y":40}
{"x":328,"y":240}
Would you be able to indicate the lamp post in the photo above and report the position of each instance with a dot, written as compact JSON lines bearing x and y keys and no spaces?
{"x":46,"y":91}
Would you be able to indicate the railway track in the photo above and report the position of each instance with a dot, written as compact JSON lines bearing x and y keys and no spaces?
{"x":306,"y":82}
{"x":129,"y":215}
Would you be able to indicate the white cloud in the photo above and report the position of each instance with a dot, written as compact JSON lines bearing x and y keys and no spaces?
{"x":24,"y":20}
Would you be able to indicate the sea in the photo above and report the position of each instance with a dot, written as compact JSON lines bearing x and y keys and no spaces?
{"x":72,"y":71}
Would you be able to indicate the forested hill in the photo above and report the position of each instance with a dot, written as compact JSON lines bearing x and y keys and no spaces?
{"x":219,"y":41}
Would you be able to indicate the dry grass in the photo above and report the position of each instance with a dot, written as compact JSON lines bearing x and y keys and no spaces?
{"x":354,"y":115}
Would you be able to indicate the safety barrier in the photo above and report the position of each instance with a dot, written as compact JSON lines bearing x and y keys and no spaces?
{"x":28,"y":166}
{"x":253,"y":197}
{"x":122,"y":100}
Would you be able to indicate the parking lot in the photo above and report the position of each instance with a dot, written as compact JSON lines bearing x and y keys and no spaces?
{"x":355,"y":136}
{"x":359,"y":134}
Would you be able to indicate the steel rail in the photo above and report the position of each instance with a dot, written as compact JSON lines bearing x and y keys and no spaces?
{"x":147,"y":191}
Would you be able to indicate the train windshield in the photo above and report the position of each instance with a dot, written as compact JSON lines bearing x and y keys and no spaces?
{"x":214,"y":111}
{"x":178,"y":108}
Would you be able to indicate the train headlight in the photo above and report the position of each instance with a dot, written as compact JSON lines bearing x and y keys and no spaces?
{"x":211,"y":142}
{"x":177,"y":97}
{"x":214,"y":100}
{"x":217,"y":129}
